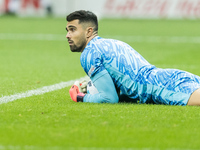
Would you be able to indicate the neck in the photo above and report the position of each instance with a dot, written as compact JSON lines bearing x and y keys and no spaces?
{"x":91,"y":37}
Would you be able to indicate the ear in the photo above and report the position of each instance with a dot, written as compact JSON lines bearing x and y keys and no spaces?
{"x":89,"y":32}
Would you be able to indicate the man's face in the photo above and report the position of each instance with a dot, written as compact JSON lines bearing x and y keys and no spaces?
{"x":76,"y":36}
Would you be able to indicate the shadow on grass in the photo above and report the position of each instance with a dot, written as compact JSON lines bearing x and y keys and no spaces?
{"x":126,"y":99}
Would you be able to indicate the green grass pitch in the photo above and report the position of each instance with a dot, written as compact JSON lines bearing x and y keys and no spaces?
{"x":34,"y":53}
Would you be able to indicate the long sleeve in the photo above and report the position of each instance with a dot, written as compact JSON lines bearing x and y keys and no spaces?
{"x":106,"y":88}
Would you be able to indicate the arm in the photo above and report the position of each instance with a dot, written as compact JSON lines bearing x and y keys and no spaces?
{"x":107,"y":92}
{"x":92,"y":61}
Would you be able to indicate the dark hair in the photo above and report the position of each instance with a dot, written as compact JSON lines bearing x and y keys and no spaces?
{"x":84,"y":16}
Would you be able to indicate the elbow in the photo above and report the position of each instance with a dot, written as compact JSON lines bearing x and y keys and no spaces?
{"x":112,"y":99}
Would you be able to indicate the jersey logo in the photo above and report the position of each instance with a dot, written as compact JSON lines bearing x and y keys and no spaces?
{"x":91,"y":70}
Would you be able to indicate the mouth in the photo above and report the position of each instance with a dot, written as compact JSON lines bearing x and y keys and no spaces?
{"x":70,"y":42}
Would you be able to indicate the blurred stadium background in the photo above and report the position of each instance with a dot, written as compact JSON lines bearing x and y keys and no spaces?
{"x":105,"y":8}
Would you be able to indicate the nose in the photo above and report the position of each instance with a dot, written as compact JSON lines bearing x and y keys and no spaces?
{"x":68,"y":35}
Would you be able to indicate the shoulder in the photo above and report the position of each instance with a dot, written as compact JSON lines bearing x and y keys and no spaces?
{"x":92,"y":55}
{"x":93,"y":48}
{"x":99,"y":43}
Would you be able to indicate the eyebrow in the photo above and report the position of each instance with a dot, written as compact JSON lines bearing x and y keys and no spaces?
{"x":70,"y":26}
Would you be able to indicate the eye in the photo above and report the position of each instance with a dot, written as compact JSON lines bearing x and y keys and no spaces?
{"x":72,"y":29}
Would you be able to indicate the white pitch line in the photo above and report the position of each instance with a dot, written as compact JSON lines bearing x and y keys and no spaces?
{"x":159,"y":39}
{"x":34,"y":36}
{"x":39,"y":91}
{"x":132,"y":38}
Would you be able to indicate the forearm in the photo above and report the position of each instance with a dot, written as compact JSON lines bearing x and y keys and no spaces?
{"x":105,"y":86}
{"x":99,"y":98}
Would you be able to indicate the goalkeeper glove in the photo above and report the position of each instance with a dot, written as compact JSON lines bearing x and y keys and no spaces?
{"x":83,"y":86}
{"x":76,"y":92}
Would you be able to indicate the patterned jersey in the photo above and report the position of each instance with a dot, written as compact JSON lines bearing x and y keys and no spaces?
{"x":115,"y":66}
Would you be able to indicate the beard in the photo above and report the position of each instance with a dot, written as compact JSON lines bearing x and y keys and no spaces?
{"x":79,"y":47}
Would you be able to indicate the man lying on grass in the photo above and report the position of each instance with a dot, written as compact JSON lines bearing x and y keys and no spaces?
{"x":119,"y":72}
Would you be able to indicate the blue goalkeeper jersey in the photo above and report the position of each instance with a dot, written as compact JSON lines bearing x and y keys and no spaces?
{"x":116,"y":70}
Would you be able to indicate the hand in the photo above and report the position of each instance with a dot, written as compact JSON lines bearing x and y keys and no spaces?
{"x":75,"y":94}
{"x":83,"y":86}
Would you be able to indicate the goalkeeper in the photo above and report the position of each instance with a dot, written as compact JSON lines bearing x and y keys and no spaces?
{"x":120,"y":73}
